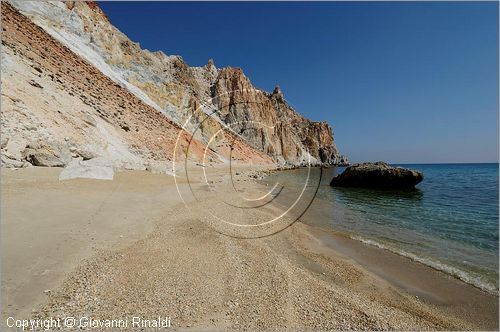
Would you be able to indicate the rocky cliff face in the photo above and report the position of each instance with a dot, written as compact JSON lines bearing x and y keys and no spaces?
{"x":216,"y":105}
{"x":57,"y":106}
{"x":270,"y":124}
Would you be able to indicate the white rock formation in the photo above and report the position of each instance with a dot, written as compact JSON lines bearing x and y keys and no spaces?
{"x":97,"y":168}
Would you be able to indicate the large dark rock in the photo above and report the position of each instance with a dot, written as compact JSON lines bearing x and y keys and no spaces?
{"x":377,"y":175}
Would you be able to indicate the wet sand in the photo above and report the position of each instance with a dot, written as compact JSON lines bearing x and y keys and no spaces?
{"x":425,"y":283}
{"x":131,"y":247}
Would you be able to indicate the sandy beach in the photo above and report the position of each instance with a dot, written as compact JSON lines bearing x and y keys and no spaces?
{"x":175,"y":210}
{"x":132,"y":247}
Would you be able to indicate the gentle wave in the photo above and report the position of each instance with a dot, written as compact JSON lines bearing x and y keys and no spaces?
{"x":451,"y":270}
{"x":449,"y":222}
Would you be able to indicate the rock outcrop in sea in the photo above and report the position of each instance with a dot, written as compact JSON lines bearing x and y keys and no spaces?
{"x":75,"y":86}
{"x":377,"y":175}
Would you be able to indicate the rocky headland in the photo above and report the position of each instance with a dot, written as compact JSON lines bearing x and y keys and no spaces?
{"x":76,"y":87}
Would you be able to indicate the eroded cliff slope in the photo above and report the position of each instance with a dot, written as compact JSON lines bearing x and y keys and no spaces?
{"x":218,"y":106}
{"x":57,"y":106}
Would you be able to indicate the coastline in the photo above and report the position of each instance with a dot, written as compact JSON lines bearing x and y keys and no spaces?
{"x":426,"y":283}
{"x":323,"y":213}
{"x":443,"y":268}
{"x":300,"y":278}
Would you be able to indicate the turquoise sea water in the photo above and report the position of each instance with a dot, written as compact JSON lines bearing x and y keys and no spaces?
{"x":449,"y":222}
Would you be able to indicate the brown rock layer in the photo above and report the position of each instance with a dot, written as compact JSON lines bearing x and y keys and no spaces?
{"x":43,"y":80}
{"x":202,"y":99}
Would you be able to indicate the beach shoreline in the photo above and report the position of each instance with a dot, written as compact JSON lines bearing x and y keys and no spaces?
{"x":301,"y":278}
{"x":426,"y":283}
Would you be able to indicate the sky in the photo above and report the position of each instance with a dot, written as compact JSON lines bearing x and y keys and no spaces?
{"x":407,"y":82}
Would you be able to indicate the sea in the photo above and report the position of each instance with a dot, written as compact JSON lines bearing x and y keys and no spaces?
{"x":448,"y":222}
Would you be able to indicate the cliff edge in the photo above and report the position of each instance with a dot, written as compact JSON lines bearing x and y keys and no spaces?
{"x":127,"y":91}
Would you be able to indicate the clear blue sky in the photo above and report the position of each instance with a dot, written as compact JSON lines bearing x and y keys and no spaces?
{"x":401,"y":82}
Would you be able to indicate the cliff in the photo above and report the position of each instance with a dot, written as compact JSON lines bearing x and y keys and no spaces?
{"x":57,"y":106}
{"x":135,"y":91}
{"x":283,"y":133}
